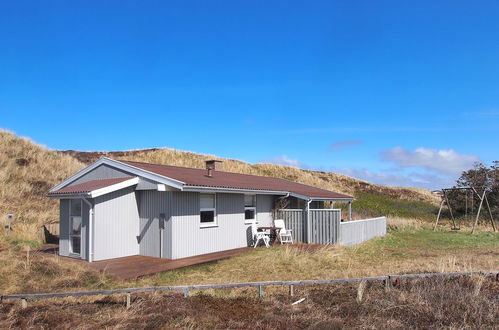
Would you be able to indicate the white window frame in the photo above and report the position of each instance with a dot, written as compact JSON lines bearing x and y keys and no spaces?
{"x":214,"y":223}
{"x":71,"y":235}
{"x":250,"y":221}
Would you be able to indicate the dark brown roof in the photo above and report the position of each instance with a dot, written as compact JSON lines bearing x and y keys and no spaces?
{"x":220,"y":179}
{"x":89,"y":186}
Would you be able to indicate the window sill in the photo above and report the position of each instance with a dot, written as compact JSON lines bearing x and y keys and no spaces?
{"x":208,"y":225}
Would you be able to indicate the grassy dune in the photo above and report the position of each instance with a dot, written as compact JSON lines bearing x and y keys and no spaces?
{"x":28,"y":170}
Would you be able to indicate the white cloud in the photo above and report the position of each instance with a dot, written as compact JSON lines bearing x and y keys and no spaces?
{"x":420,"y":180}
{"x":345,"y":143}
{"x":443,"y":161}
{"x":285,"y":160}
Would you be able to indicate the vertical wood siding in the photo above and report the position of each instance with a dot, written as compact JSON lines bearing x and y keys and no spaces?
{"x":116,"y":225}
{"x":264,"y":204}
{"x":190,"y":239}
{"x":294,"y":219}
{"x":64,"y":227}
{"x":152,"y":204}
{"x":325,"y":226}
{"x":101,"y":172}
{"x":358,"y":231}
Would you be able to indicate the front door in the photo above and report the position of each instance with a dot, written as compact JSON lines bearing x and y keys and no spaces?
{"x":75,"y":228}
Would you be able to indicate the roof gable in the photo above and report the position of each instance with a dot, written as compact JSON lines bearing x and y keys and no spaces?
{"x":95,"y":188}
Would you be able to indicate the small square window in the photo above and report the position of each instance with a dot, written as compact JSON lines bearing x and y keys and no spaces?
{"x":249,"y":214}
{"x":207,"y":216}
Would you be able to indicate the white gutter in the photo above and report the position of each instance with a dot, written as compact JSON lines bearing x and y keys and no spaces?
{"x":233,"y":190}
{"x":90,"y":229}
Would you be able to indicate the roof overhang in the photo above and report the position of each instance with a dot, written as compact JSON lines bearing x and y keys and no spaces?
{"x":332,"y":199}
{"x":261,"y":192}
{"x":98,"y":192}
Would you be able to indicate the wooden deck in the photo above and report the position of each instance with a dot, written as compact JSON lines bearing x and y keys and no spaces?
{"x":137,"y":266}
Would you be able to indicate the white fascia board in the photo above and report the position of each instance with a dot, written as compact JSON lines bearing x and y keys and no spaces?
{"x":122,"y":166}
{"x":331,"y":199}
{"x":233,"y":190}
{"x":114,"y":187}
{"x":299,"y":196}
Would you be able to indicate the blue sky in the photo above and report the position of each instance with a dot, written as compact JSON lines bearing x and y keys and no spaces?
{"x":394,"y":92}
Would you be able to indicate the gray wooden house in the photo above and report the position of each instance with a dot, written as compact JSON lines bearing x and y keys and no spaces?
{"x":114,"y":209}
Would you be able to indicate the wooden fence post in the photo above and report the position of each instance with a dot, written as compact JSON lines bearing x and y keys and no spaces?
{"x":24,"y":303}
{"x":291,"y":290}
{"x":388,"y":283}
{"x":360,"y":291}
{"x":260,"y":291}
{"x":128,"y":300}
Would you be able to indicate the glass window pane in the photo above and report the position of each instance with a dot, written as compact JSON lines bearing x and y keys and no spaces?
{"x":76,"y":226}
{"x":75,"y":245}
{"x":249,"y":214}
{"x":76,"y":207}
{"x":207,"y":201}
{"x":249,"y":200}
{"x":207,"y":216}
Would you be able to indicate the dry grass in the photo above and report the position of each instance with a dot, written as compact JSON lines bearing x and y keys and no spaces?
{"x":27,"y":172}
{"x":444,"y":303}
{"x":398,"y":223}
{"x":408,"y":250}
{"x":31,"y":271}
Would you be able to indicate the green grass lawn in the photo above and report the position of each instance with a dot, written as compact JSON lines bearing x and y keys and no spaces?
{"x":378,"y":205}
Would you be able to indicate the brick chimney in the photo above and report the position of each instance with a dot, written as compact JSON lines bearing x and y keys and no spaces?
{"x":213,"y":165}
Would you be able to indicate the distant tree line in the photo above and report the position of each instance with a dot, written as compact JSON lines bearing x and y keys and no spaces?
{"x":480,"y":177}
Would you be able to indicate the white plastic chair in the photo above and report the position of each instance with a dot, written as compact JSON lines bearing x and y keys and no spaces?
{"x":259,"y":235}
{"x":284,"y":234}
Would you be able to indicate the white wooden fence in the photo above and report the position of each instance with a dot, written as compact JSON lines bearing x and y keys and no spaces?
{"x":358,"y":231}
